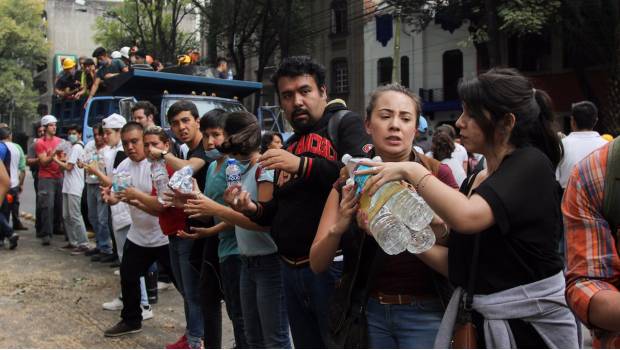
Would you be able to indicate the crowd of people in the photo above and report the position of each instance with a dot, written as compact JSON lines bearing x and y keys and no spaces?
{"x":83,"y":79}
{"x":525,"y":232}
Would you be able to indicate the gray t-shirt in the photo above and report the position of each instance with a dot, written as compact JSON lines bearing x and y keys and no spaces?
{"x":254,"y":243}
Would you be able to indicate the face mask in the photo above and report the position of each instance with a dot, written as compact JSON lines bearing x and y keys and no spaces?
{"x":214,"y":154}
{"x":72,"y":138}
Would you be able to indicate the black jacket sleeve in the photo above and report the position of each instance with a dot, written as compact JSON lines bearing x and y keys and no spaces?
{"x":265,"y":213}
{"x":352,"y":138}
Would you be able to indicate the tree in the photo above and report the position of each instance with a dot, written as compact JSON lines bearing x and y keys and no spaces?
{"x":489,"y":20}
{"x":154,"y":25}
{"x":593,"y":27}
{"x":22,"y":49}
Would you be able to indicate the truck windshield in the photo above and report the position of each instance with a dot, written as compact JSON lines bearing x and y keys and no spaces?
{"x":204,"y":105}
{"x":100,"y":109}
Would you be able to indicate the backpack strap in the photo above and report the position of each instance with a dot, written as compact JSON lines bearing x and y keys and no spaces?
{"x":333,"y":126}
{"x":611,"y":197}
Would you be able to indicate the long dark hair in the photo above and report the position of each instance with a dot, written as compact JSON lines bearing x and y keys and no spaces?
{"x":242,"y":133}
{"x":502,"y":91}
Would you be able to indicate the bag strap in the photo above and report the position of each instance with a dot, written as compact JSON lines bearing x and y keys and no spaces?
{"x":471,"y":283}
{"x":611,"y":198}
{"x":333,"y":126}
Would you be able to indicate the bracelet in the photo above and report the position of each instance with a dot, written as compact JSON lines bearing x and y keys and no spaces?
{"x":419,"y":186}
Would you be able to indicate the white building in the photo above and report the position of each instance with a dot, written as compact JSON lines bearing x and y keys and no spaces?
{"x":431,"y":64}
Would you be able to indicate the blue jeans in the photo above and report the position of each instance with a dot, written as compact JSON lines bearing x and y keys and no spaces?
{"x":411,"y":326}
{"x":230,"y":269}
{"x":307,"y":301}
{"x":262,"y":302}
{"x":49,"y":199}
{"x":98,"y":217}
{"x":188,"y":279}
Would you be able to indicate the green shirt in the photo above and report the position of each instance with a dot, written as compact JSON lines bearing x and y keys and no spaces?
{"x":214,"y":189}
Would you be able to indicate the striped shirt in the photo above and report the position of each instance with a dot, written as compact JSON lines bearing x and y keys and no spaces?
{"x":592,"y":260}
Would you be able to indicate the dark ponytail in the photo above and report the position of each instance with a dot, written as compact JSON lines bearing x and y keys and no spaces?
{"x":502,"y":91}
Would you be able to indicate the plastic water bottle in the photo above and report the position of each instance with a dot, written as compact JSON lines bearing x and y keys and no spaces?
{"x":233,"y":173}
{"x":121,"y":181}
{"x":159,"y":174}
{"x":230,"y":75}
{"x":181,"y":180}
{"x":399,"y":217}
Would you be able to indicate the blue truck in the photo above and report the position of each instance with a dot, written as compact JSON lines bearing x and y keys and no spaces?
{"x":160,"y":88}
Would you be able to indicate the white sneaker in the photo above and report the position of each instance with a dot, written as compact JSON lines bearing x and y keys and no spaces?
{"x":117,"y":272}
{"x":147,"y":312}
{"x":163,"y":285}
{"x":114,"y":305}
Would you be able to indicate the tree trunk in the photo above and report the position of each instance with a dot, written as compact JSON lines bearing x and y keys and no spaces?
{"x":610,"y":118}
{"x":286,"y":29}
{"x":493,"y":45}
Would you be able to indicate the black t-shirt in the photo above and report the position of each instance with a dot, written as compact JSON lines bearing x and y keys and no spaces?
{"x":67,"y":80}
{"x":200,"y":175}
{"x":522,"y":246}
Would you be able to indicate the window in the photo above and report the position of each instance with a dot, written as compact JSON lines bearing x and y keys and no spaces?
{"x":452,"y":74}
{"x":340,"y":76}
{"x":384,"y":70}
{"x":339,"y":17}
{"x":404,"y":71}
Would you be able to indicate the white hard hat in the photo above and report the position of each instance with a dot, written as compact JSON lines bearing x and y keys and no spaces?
{"x":116,"y":54}
{"x":48,"y":119}
{"x":114,"y":121}
{"x":125,"y":52}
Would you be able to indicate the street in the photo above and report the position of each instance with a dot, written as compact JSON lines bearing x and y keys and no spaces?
{"x":51,"y":299}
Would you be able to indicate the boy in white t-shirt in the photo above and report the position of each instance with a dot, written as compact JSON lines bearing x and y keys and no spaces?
{"x":72,"y":188}
{"x":146,"y":243}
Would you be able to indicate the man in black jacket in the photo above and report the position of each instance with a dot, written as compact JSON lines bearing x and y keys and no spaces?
{"x":305,"y":173}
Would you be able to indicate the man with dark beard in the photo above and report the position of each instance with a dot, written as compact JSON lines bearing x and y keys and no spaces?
{"x":305,"y":173}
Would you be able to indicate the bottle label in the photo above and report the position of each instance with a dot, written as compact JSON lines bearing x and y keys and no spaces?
{"x":233,"y":178}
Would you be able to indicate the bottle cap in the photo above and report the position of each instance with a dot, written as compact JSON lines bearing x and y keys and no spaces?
{"x":231,"y":161}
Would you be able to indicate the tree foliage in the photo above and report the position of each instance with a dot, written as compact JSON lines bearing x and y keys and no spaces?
{"x":22,"y":48}
{"x":154,"y":25}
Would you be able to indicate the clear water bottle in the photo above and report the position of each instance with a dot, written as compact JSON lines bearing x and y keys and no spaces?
{"x":121,"y":181}
{"x":392,"y":203}
{"x":230,"y":75}
{"x":233,"y":173}
{"x":181,"y":180}
{"x":391,"y":235}
{"x":159,"y":174}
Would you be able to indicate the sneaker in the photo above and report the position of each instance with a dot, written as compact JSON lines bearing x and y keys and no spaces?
{"x":91,"y":252}
{"x":117,"y":272}
{"x":163,"y":285}
{"x":122,"y":328}
{"x":179,"y":344}
{"x":96,"y":257}
{"x":20,"y":227}
{"x":13,"y":241}
{"x":107,"y":258}
{"x":115,"y":264}
{"x":114,"y":305}
{"x":147,"y":312}
{"x":80,"y":250}
{"x":45,"y":241}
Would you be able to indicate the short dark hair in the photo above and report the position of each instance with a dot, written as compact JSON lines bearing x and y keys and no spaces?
{"x":5,"y":133}
{"x":100,"y":51}
{"x":220,"y":59}
{"x":267,"y":139}
{"x":74,"y":127}
{"x":89,"y":62}
{"x":442,"y":146}
{"x":447,"y":129}
{"x":242,"y":133}
{"x":149,"y":108}
{"x":140,"y":53}
{"x":213,"y":119}
{"x":585,"y":115}
{"x":131,"y":126}
{"x":99,"y":128}
{"x":296,"y":66}
{"x":182,"y":106}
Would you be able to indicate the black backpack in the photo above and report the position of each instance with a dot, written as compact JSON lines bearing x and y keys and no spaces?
{"x":611,"y":197}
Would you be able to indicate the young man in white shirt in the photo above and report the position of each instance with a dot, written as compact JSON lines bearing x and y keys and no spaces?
{"x":581,"y":141}
{"x":145,"y":243}
{"x":72,"y":188}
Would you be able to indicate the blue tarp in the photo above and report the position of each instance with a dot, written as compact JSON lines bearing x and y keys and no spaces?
{"x":453,"y":105}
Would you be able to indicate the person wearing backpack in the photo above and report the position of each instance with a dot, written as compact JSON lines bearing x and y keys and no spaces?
{"x":591,"y":209}
{"x":72,"y":188}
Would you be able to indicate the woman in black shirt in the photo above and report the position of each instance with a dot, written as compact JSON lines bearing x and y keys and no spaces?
{"x":512,"y":207}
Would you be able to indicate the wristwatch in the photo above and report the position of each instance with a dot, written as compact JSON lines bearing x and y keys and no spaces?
{"x":163,"y":154}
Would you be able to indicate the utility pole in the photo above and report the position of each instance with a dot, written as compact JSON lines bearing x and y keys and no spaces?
{"x":396,"y":59}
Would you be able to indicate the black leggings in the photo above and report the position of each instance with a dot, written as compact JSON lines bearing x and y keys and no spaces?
{"x":211,"y":293}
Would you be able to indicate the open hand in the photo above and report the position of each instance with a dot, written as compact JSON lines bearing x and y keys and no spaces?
{"x":382,"y":173}
{"x":280,"y":159}
{"x":240,"y":200}
{"x":201,"y":206}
